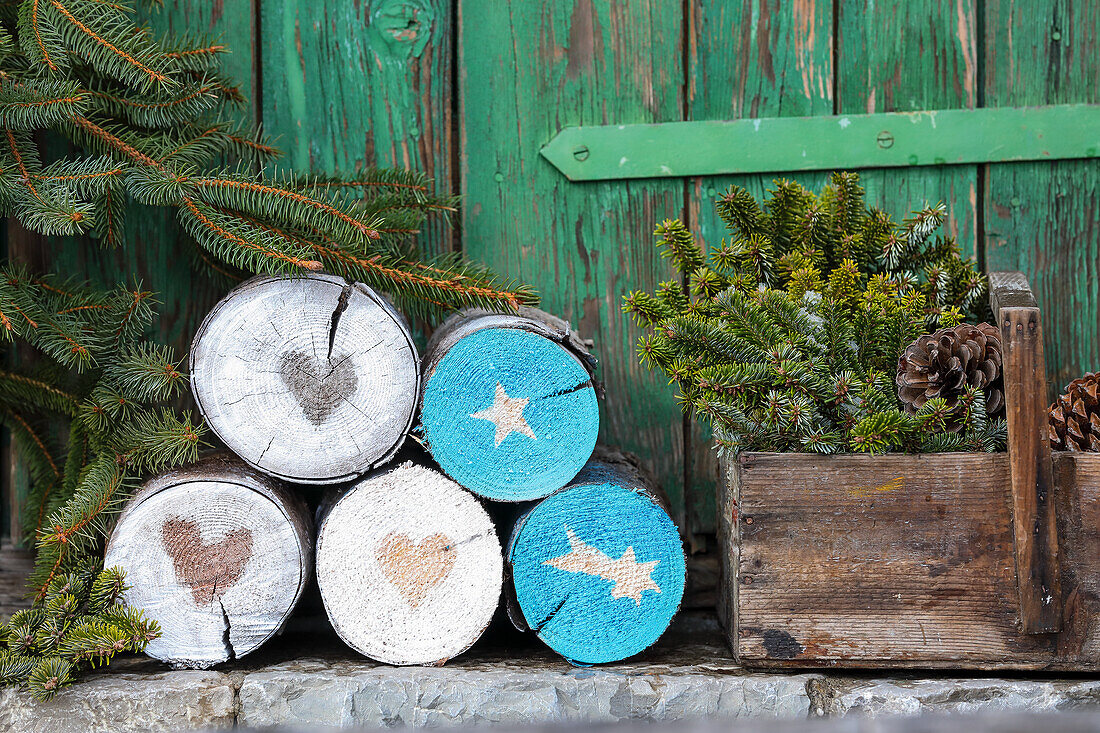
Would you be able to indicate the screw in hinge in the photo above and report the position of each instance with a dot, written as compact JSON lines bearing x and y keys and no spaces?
{"x":580,"y":152}
{"x":885,"y":140}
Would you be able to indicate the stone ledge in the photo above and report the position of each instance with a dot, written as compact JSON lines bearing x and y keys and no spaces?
{"x":310,"y":693}
{"x":165,"y":701}
{"x":309,"y":680}
{"x":877,"y":697}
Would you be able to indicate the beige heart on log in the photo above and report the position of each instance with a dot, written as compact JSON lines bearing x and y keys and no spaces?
{"x":415,"y":568}
{"x":319,"y":387}
{"x":209,"y":569}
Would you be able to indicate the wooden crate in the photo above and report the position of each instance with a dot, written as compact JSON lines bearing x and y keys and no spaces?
{"x":951,"y":560}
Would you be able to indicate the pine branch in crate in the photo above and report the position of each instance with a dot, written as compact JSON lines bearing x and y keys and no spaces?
{"x":788,"y":335}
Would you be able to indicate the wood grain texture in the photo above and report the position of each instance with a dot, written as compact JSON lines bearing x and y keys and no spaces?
{"x":729,"y":548}
{"x":526,"y":70}
{"x":597,"y":568}
{"x":1077,"y":476}
{"x":1042,"y":218}
{"x":353,"y":85}
{"x":892,"y":561}
{"x":16,"y":564}
{"x":508,"y":404}
{"x":899,"y":57}
{"x":218,"y":554}
{"x":312,"y":379}
{"x":753,"y":59}
{"x":409,"y":566}
{"x":1035,"y":534}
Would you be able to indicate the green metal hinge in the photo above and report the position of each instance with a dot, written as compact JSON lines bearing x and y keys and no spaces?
{"x":776,"y":144}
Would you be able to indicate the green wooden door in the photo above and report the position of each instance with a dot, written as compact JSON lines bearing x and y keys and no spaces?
{"x":470,"y":90}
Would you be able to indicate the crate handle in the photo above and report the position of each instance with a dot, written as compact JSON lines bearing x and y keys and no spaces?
{"x":1035,"y":534}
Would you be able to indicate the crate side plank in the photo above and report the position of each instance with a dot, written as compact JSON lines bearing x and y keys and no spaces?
{"x":891,"y":560}
{"x":1033,"y":512}
{"x":1077,"y":499}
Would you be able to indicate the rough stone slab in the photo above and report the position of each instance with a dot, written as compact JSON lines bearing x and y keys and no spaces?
{"x":878,"y":697}
{"x":117,"y":703}
{"x":308,"y":679}
{"x":315,"y":692}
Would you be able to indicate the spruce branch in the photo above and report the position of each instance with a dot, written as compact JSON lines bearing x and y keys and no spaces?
{"x":151,"y":117}
{"x":788,"y":333}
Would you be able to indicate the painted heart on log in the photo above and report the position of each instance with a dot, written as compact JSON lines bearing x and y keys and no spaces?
{"x":318,"y":387}
{"x":209,"y":569}
{"x":415,"y":568}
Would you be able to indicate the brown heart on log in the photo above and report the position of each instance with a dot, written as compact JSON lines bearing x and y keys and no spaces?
{"x":317,"y":386}
{"x":209,"y":569}
{"x":415,"y":568}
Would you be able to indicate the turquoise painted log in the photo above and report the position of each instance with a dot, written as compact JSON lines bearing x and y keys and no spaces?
{"x":598,"y":567}
{"x":509,"y":404}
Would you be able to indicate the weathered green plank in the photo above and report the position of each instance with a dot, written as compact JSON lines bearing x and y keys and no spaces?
{"x":1042,"y":218}
{"x":354,"y":84}
{"x":901,"y":57}
{"x":764,"y":58}
{"x":527,"y":70}
{"x":767,"y":144}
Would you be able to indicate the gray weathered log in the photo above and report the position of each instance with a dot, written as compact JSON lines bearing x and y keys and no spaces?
{"x":312,"y":380}
{"x":216,"y":553}
{"x":409,"y":565}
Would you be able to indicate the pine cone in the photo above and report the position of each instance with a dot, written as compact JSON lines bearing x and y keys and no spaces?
{"x":1075,"y":416}
{"x":945,"y":363}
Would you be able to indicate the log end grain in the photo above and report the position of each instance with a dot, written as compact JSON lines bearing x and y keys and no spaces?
{"x":218,"y":558}
{"x":312,"y":379}
{"x":508,"y":413}
{"x":409,"y":566}
{"x":598,"y":568}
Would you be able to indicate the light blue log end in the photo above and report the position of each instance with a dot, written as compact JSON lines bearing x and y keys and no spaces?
{"x":510,"y":415}
{"x":598,"y":572}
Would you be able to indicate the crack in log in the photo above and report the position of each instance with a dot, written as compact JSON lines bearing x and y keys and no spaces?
{"x":538,"y":627}
{"x":569,"y":390}
{"x":341,"y":306}
{"x":232,"y":655}
{"x":266,"y":449}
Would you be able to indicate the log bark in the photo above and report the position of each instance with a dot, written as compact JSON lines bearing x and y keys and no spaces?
{"x":509,"y":404}
{"x":312,"y":380}
{"x":598,"y":567}
{"x":218,"y":554}
{"x":409,"y":566}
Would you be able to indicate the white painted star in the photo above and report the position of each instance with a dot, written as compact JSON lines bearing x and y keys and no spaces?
{"x":631,"y":578}
{"x":507,"y":414}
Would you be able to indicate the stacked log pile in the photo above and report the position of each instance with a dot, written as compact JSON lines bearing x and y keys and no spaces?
{"x":316,"y":381}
